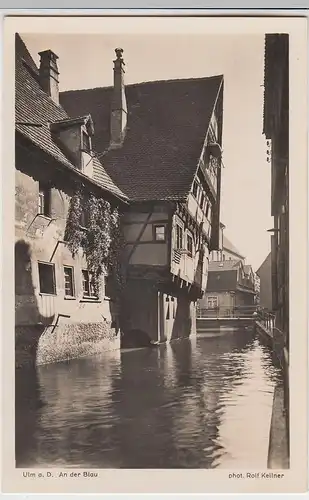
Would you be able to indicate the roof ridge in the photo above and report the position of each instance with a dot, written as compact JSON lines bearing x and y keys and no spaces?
{"x":149,"y":82}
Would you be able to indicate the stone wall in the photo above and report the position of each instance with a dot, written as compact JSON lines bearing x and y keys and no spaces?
{"x":39,"y":345}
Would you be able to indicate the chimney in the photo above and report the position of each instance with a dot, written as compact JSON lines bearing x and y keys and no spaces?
{"x":119,"y":103}
{"x":49,"y":74}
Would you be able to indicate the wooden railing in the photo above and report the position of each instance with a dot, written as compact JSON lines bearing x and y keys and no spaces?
{"x":249,"y":311}
{"x":267,"y":318}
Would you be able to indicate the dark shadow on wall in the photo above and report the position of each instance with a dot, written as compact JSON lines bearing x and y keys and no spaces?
{"x":29,"y":326}
{"x":135,"y":305}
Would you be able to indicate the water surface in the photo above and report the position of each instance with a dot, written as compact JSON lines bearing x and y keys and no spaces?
{"x":203,"y":402}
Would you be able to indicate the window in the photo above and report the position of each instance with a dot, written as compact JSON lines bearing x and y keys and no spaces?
{"x":88,"y":288}
{"x":195,"y":188}
{"x":223,"y":256}
{"x":189,"y":245}
{"x":44,"y":200}
{"x":179,"y":237}
{"x":47,"y":278}
{"x":207,"y":209}
{"x":202,"y":200}
{"x":68,"y":281}
{"x":159,"y":233}
{"x":212,"y":302}
{"x":85,"y":142}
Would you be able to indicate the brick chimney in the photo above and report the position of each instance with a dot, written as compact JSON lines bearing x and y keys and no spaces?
{"x":119,"y":103}
{"x":49,"y":74}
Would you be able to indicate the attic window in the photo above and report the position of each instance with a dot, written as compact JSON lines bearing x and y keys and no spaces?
{"x":85,"y":142}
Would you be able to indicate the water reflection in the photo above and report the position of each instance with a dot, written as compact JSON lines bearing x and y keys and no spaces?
{"x":188,"y":404}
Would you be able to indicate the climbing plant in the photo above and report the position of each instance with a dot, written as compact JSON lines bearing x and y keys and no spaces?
{"x":94,"y":226}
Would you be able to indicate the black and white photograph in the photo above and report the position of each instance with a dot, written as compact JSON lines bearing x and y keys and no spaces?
{"x":152,"y":252}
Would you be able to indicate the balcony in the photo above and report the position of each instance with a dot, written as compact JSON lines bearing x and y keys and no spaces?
{"x":188,"y":268}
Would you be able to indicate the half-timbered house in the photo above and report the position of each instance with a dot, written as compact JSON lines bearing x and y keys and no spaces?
{"x":160,"y":142}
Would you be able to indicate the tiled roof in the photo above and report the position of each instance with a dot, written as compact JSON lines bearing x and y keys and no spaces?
{"x":227,"y":245}
{"x":218,"y":281}
{"x":166,"y":127}
{"x":34,"y":110}
{"x":223,"y":265}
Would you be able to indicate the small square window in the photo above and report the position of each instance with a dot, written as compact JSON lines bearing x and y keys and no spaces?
{"x":212,"y":302}
{"x":159,"y":233}
{"x":47,"y":278}
{"x":88,"y":288}
{"x":190,"y":245}
{"x":44,"y":200}
{"x":69,"y":281}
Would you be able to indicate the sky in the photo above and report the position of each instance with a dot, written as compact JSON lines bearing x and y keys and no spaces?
{"x":86,"y":61}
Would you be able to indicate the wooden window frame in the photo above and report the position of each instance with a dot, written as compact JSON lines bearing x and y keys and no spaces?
{"x":189,"y":252}
{"x":44,"y":200}
{"x":85,"y":142}
{"x":195,"y":184}
{"x":178,"y":226}
{"x":212,"y":298}
{"x":51,"y":266}
{"x":91,"y":294}
{"x":154,"y":228}
{"x":73,"y":295}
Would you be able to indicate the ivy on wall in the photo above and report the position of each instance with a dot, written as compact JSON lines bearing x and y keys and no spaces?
{"x":94,"y":226}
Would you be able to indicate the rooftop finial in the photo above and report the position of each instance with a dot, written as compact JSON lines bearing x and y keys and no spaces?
{"x":119,"y":53}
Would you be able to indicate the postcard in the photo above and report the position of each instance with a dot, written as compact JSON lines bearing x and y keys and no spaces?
{"x":155,"y":196}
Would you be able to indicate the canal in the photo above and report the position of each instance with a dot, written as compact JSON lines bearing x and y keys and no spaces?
{"x":203,"y":402}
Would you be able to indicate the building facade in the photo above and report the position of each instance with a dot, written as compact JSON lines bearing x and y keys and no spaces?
{"x":58,"y":313}
{"x":231,"y":283}
{"x":230,"y":287}
{"x":276,"y":130}
{"x":264,"y":273}
{"x":161,"y":143}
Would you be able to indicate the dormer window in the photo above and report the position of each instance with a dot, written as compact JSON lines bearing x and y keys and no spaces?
{"x":86,"y":142}
{"x":73,"y":136}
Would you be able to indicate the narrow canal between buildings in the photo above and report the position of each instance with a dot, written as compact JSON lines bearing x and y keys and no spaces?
{"x":203,"y":402}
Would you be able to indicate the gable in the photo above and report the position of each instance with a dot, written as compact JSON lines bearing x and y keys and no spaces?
{"x":166,"y":127}
{"x":35,"y":110}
